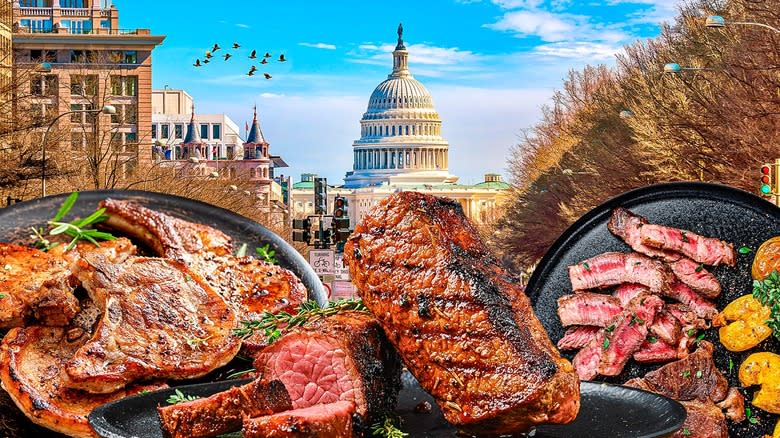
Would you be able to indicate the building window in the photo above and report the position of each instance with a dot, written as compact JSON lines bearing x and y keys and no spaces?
{"x":36,"y":26}
{"x":178,"y":129}
{"x":71,"y":3}
{"x":204,"y":131}
{"x":77,"y":26}
{"x":35,"y":3}
{"x":76,"y":139}
{"x":43,"y":55}
{"x":124,"y":85}
{"x":83,"y":85}
{"x":125,"y":114}
{"x":131,"y":57}
{"x":105,"y":24}
{"x":116,"y":141}
{"x":165,"y":131}
{"x":43,"y":85}
{"x":154,"y":131}
{"x":216,"y":131}
{"x":82,"y":116}
{"x":82,"y":56}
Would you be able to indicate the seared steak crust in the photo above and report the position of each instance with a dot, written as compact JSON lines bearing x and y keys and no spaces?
{"x":627,"y":225}
{"x":32,"y":362}
{"x":160,"y":320}
{"x":223,"y":412}
{"x":333,"y":420}
{"x":464,"y":328}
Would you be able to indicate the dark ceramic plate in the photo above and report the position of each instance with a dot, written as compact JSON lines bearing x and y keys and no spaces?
{"x":16,"y":220}
{"x":708,"y":209}
{"x":607,"y":410}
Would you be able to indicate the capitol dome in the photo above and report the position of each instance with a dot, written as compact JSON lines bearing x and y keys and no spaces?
{"x":400,"y":139}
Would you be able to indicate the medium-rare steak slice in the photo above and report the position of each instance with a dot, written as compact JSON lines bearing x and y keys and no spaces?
{"x":331,"y":420}
{"x":32,"y":361}
{"x":696,"y":277}
{"x":627,"y":225}
{"x":588,"y":309}
{"x":695,"y":302}
{"x":613,"y":268}
{"x":626,"y":292}
{"x":577,"y":337}
{"x":223,"y":412}
{"x":666,"y":327}
{"x":35,"y":285}
{"x":707,"y":250}
{"x":655,"y":352}
{"x":586,"y":361}
{"x":463,"y":326}
{"x":628,"y":332}
{"x":160,"y":321}
{"x":344,"y":357}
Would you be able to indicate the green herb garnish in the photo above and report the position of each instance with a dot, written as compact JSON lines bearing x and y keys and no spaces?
{"x":606,"y":343}
{"x":745,"y":250}
{"x":272,"y":325}
{"x":388,"y":429}
{"x":2,"y":296}
{"x":685,"y":373}
{"x":699,"y":338}
{"x":699,"y":268}
{"x":749,"y":415}
{"x":586,"y":266}
{"x":652,"y":339}
{"x":686,"y":431}
{"x":698,"y":374}
{"x":635,"y":320}
{"x":767,"y":291}
{"x":267,"y":254}
{"x":180,"y":397}
{"x":691,"y":332}
{"x":238,"y":374}
{"x":77,"y":229}
{"x":731,"y":365}
{"x":609,"y":328}
{"x":684,"y":236}
{"x":195,"y":343}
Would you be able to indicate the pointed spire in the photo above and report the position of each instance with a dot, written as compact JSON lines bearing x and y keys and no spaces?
{"x":255,"y":135}
{"x":193,"y":134}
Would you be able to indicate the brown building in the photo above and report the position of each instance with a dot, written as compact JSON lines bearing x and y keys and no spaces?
{"x":88,"y":62}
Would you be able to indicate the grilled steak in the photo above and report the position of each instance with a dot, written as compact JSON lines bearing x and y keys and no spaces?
{"x":36,"y":285}
{"x":704,"y":420}
{"x":613,"y":268}
{"x":685,"y":295}
{"x":586,"y":361}
{"x":626,"y":292}
{"x":577,"y":337}
{"x":733,"y":405}
{"x":696,"y":277}
{"x":630,"y":330}
{"x":694,"y":377}
{"x":223,"y":412}
{"x":666,"y":328}
{"x":627,"y":226}
{"x":655,"y":352}
{"x":332,"y":420}
{"x":701,"y":249}
{"x":464,"y":328}
{"x":32,"y":362}
{"x":587,"y":309}
{"x":160,"y":320}
{"x":345,"y":357}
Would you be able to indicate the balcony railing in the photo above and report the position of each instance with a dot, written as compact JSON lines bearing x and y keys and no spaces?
{"x":36,"y":12}
{"x":99,"y":31}
{"x":75,"y":12}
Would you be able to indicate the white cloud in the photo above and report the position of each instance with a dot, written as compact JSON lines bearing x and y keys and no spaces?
{"x":418,"y":54}
{"x":656,"y":11}
{"x":516,"y":4}
{"x":579,"y":50}
{"x":545,"y":25}
{"x":271,"y":95}
{"x":242,"y":25}
{"x":319,"y":45}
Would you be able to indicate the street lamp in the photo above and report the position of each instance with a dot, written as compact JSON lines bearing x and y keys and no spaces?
{"x":674,"y":67}
{"x":718,"y":21}
{"x":107,"y":109}
{"x":626,"y":114}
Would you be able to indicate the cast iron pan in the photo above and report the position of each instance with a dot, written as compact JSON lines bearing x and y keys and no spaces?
{"x":16,"y":220}
{"x":607,"y":411}
{"x":713,"y":210}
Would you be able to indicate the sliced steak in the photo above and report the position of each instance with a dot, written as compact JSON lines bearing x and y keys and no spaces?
{"x":32,"y":362}
{"x":586,"y":362}
{"x":463,"y":326}
{"x":577,"y":337}
{"x":345,"y":357}
{"x":630,"y":330}
{"x":733,"y":405}
{"x":695,"y":302}
{"x":223,"y":412}
{"x":707,"y":250}
{"x":688,"y":318}
{"x":331,"y":420}
{"x":656,"y":352}
{"x":613,"y":268}
{"x":587,"y":309}
{"x":626,"y":292}
{"x":160,"y":321}
{"x":704,"y":420}
{"x":627,"y":225}
{"x":666,"y":328}
{"x":694,"y":377}
{"x":696,"y":277}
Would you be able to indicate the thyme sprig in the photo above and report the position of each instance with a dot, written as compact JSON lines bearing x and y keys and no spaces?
{"x":76,"y":229}
{"x":180,"y":397}
{"x":767,"y":291}
{"x":388,"y":429}
{"x":274,"y":324}
{"x":267,"y":254}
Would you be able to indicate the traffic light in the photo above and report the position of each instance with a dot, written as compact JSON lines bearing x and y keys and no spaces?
{"x":767,"y":187}
{"x":302,"y":230}
{"x":320,"y":196}
{"x":323,"y":238}
{"x":340,"y":222}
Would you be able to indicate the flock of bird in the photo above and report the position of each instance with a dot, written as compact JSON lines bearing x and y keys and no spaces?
{"x":227,"y":56}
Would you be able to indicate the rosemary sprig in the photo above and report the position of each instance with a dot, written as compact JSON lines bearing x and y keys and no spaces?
{"x":767,"y":291}
{"x":238,"y":374}
{"x":273,"y":325}
{"x":180,"y":397}
{"x":388,"y":429}
{"x":77,"y":229}
{"x":267,"y":254}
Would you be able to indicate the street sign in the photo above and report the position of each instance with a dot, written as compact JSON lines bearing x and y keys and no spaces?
{"x":322,"y":260}
{"x":343,"y":290}
{"x":341,"y":271}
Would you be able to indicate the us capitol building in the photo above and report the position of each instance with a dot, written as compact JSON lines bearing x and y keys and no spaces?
{"x":401,"y":149}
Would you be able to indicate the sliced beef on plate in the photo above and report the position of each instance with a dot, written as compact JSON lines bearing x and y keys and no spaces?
{"x":707,"y":250}
{"x":666,"y":328}
{"x":614,"y":268}
{"x":695,"y":302}
{"x":331,"y":420}
{"x":733,"y":405}
{"x":630,"y":330}
{"x":32,"y":362}
{"x":704,"y":420}
{"x":655,"y":352}
{"x":627,"y":225}
{"x":687,"y":317}
{"x":626,"y":292}
{"x":456,"y":316}
{"x":587,"y":309}
{"x":694,"y":377}
{"x":696,"y":277}
{"x":160,"y":321}
{"x":577,"y":337}
{"x":344,"y":357}
{"x":223,"y":412}
{"x":586,"y":361}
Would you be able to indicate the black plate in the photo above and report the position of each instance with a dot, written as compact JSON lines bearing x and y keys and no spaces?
{"x":16,"y":220}
{"x":708,"y":209}
{"x":607,"y":410}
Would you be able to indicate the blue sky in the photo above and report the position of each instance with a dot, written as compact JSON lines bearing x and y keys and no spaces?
{"x":489,"y":65}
